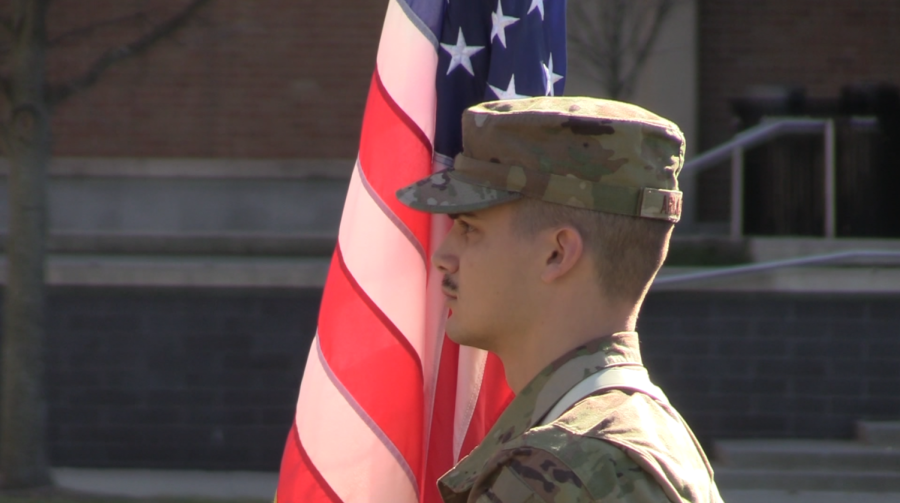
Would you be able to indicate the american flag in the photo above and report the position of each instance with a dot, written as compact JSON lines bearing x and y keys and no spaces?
{"x":387,"y":403}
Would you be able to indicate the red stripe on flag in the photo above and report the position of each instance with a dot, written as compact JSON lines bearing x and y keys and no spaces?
{"x":493,"y":397}
{"x":299,"y":480}
{"x":440,"y":444}
{"x":394,"y":153}
{"x":373,"y":361}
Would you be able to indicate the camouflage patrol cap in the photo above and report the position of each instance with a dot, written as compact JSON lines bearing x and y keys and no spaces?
{"x":589,"y":153}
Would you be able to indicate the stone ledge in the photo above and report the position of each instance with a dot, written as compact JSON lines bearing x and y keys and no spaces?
{"x":793,"y":496}
{"x":180,"y":271}
{"x":795,"y":280}
{"x":705,"y":250}
{"x":256,"y":269}
{"x":805,"y":454}
{"x":807,"y":480}
{"x":879,"y":433}
{"x":168,"y":483}
{"x":187,"y":168}
{"x":197,"y":243}
{"x":764,"y":249}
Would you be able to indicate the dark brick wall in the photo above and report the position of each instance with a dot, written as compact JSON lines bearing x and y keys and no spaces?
{"x":175,"y":378}
{"x":775,"y":365}
{"x":182,"y":378}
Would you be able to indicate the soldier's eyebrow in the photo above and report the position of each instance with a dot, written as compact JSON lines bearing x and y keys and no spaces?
{"x":454,"y":216}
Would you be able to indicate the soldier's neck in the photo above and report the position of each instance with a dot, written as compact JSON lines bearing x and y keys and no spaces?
{"x":555,"y":335}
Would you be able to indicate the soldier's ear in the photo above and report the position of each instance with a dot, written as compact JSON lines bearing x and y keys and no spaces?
{"x":566,"y":247}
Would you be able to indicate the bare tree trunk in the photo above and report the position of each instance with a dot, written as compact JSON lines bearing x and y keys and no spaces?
{"x":614,"y":38}
{"x":617,"y":12}
{"x":23,"y":451}
{"x":26,"y":136}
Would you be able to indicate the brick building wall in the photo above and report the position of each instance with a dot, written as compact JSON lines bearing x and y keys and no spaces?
{"x":208,"y":378}
{"x":266,"y":79}
{"x":288,"y":79}
{"x":821,"y":46}
{"x":818,"y":45}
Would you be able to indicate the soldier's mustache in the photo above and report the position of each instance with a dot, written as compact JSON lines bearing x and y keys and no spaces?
{"x":448,"y":284}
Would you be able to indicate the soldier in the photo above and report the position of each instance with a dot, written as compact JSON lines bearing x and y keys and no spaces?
{"x":562,"y":211}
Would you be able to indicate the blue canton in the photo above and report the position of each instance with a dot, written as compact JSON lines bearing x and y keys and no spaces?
{"x":494,"y":49}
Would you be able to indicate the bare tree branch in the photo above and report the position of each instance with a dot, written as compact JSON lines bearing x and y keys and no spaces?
{"x":644,"y":35}
{"x":584,"y":39}
{"x":615,"y":39}
{"x":85,"y":31}
{"x":59,"y":93}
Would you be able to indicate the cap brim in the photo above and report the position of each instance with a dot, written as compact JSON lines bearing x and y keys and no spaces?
{"x":444,"y":193}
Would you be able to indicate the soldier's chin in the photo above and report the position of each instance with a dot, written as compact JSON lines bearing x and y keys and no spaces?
{"x":463,"y":337}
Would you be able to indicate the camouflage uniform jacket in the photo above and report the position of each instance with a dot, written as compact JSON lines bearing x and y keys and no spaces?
{"x":614,"y":446}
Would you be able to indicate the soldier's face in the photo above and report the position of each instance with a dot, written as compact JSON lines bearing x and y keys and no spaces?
{"x":486,"y":278}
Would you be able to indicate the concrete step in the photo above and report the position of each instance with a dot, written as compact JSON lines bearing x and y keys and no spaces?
{"x":844,"y":456}
{"x":787,"y":496}
{"x":884,"y":433}
{"x":806,"y":480}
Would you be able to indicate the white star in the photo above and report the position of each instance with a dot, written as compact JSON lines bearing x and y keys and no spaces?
{"x":500,"y":22}
{"x":510,"y":92}
{"x":461,"y":54}
{"x":550,"y":78}
{"x":539,"y":5}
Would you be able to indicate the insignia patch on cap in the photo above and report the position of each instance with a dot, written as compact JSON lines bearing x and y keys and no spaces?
{"x":661,"y":204}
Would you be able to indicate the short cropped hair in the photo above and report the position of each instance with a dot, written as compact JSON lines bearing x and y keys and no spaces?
{"x":627,"y":251}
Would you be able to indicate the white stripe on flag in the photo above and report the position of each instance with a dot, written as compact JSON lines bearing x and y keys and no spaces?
{"x":384,"y":262}
{"x":468,"y":386}
{"x":435,"y":321}
{"x":407,"y":63}
{"x":348,"y":454}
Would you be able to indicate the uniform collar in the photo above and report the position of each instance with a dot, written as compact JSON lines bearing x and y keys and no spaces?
{"x":538,"y":397}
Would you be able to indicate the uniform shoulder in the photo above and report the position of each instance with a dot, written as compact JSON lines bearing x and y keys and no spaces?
{"x":634,"y":428}
{"x":532,"y":475}
{"x":552,"y":458}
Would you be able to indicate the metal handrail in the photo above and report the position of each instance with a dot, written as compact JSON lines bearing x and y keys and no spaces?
{"x":774,"y":264}
{"x":769,"y":129}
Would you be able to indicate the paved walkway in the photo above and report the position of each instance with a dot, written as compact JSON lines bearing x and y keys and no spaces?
{"x":150,"y":483}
